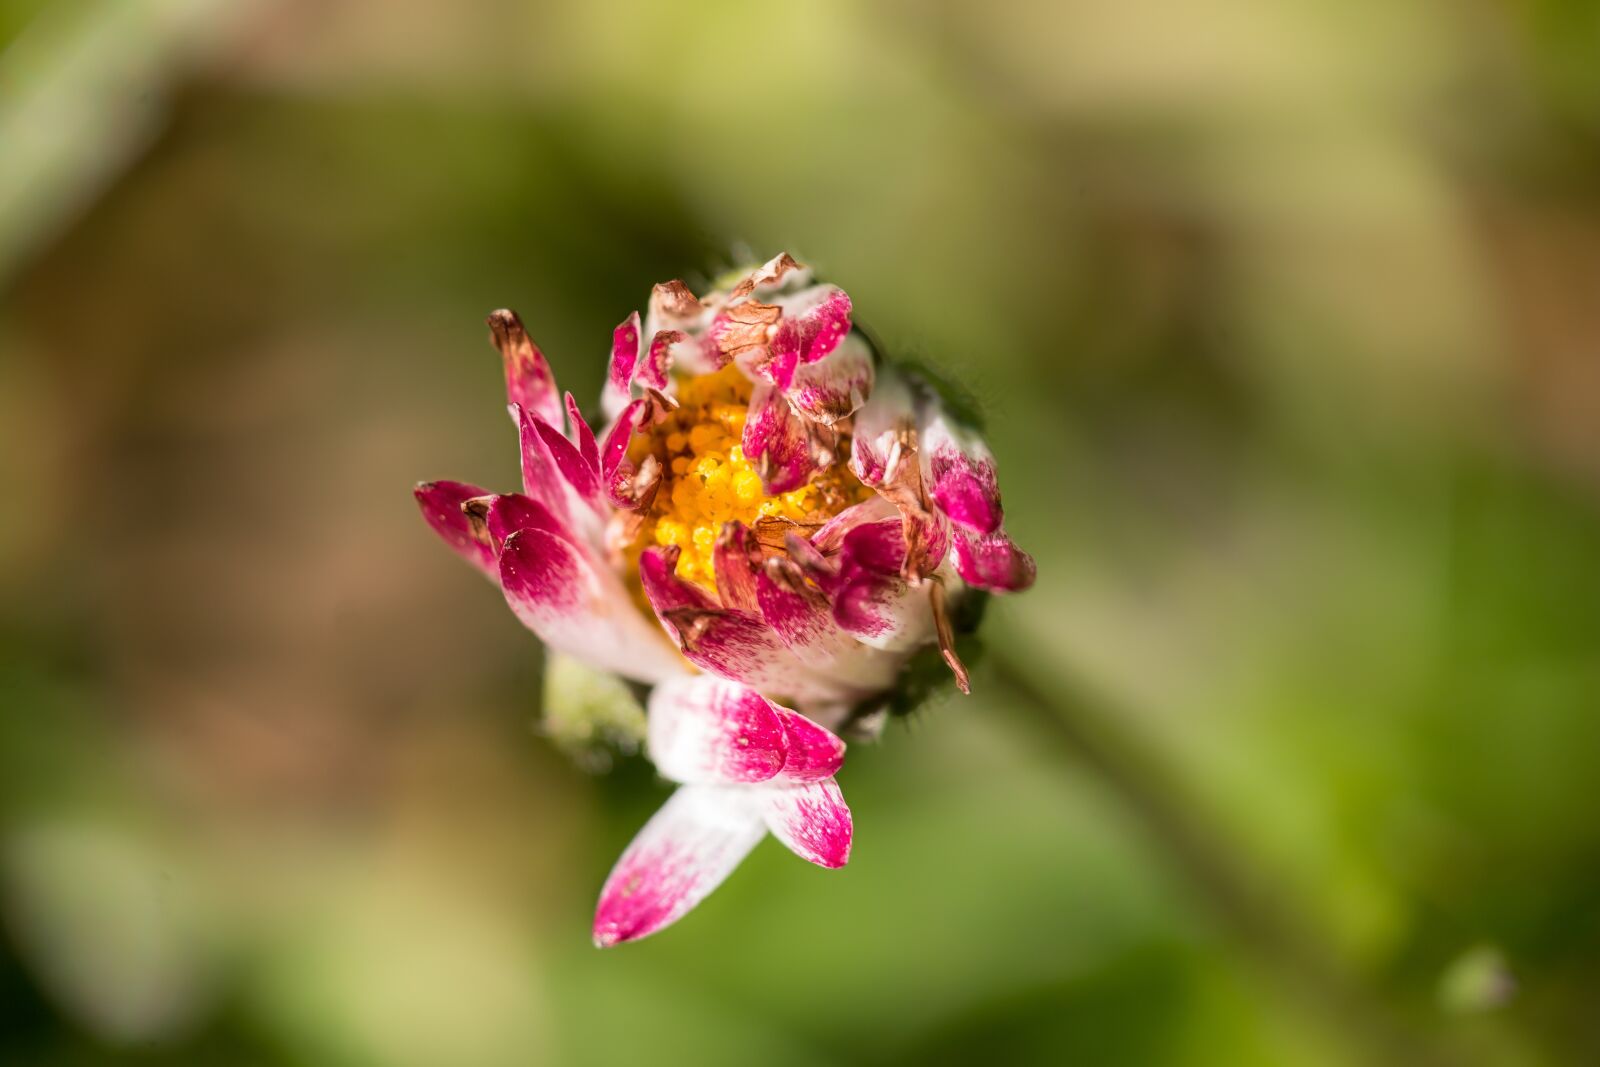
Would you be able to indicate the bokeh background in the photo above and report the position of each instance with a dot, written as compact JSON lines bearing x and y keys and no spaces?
{"x":1286,"y":318}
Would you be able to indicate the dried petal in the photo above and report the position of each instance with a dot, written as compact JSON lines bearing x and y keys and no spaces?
{"x":529,"y":382}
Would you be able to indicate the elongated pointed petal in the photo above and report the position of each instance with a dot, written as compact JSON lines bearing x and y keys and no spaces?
{"x":556,"y":593}
{"x":812,"y":820}
{"x":441,"y":507}
{"x":777,"y":442}
{"x":684,"y":852}
{"x":583,"y":435}
{"x":710,"y":730}
{"x":541,"y":478}
{"x":568,"y":460}
{"x":529,"y":382}
{"x":625,"y":344}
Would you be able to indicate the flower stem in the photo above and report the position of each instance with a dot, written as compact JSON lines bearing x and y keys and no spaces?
{"x":1073,"y":722}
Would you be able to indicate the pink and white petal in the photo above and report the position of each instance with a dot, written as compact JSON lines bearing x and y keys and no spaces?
{"x":568,"y":459}
{"x":835,"y":387}
{"x":583,"y":435}
{"x":888,"y":414}
{"x":734,"y":644}
{"x":628,"y":485}
{"x":506,"y":513}
{"x":811,"y":820}
{"x":554,"y":591}
{"x":991,"y":561}
{"x":814,"y":752}
{"x":802,"y":617}
{"x":529,"y":381}
{"x":667,"y":592}
{"x":815,"y":321}
{"x":683,"y":853}
{"x":626,"y":348}
{"x":777,"y":442}
{"x":731,"y":562}
{"x":441,"y":504}
{"x":710,"y":730}
{"x":541,"y":478}
{"x":959,"y":473}
{"x":652,"y":369}
{"x":872,"y":599}
{"x":831,"y":535}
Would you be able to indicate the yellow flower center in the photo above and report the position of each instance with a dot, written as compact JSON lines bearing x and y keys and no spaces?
{"x":707,"y":481}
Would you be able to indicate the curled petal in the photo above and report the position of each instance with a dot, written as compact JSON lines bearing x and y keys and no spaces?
{"x":529,"y":382}
{"x":554,"y":591}
{"x":735,"y":645}
{"x":777,"y":442}
{"x":770,"y":275}
{"x":710,"y":730}
{"x":800,"y":615}
{"x":675,"y":303}
{"x":495,"y":518}
{"x":814,"y":752}
{"x":925,"y":528}
{"x":878,"y":547}
{"x":991,"y":561}
{"x":667,"y":592}
{"x":959,"y":471}
{"x":652,"y":370}
{"x":814,"y":322}
{"x":743,"y":331}
{"x":629,"y":485}
{"x":441,"y":504}
{"x":834,"y":387}
{"x":830,"y":537}
{"x":882,"y":423}
{"x":684,"y":852}
{"x":872,"y":600}
{"x":812,"y":820}
{"x":731,"y":561}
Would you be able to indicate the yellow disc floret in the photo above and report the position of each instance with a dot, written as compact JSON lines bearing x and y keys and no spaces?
{"x":707,"y":481}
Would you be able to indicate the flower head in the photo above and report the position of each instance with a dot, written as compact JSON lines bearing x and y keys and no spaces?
{"x":772,"y":522}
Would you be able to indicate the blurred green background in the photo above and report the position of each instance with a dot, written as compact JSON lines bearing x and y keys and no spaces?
{"x":1287,"y":320}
